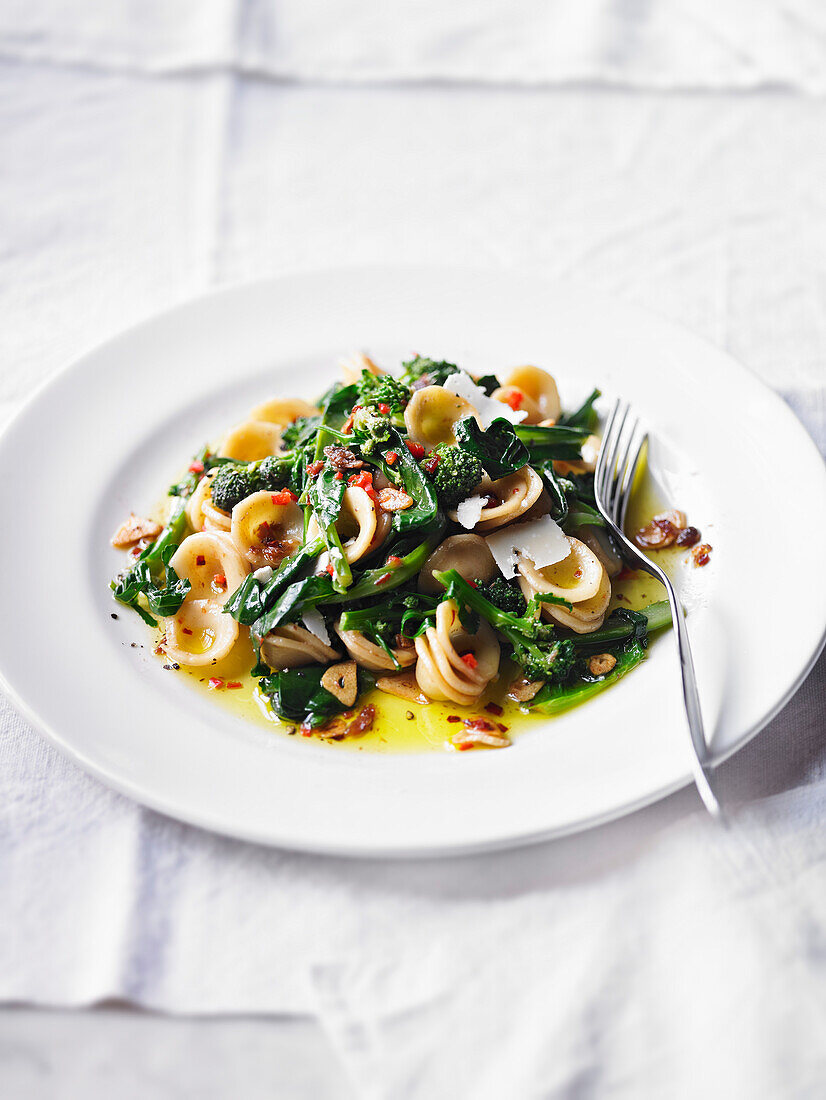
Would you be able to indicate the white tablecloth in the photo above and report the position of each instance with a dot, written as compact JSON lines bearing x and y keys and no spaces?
{"x":670,"y":153}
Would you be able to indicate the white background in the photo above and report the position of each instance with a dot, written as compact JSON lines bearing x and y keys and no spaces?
{"x":671,"y":154}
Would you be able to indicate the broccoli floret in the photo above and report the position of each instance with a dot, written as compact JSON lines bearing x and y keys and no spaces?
{"x":536,"y":648}
{"x":456,"y":474}
{"x":430,"y":372}
{"x":273,"y":472}
{"x":230,"y":485}
{"x":371,"y":429}
{"x":382,"y":389}
{"x":505,"y":595}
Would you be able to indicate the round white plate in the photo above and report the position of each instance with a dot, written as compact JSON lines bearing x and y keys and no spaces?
{"x":105,"y":434}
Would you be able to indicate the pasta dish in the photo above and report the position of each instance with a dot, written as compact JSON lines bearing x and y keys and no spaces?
{"x":427,"y":537}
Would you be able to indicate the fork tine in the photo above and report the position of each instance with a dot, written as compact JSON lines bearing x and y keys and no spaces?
{"x":601,"y":474}
{"x":624,"y":452}
{"x":628,"y":479}
{"x":611,"y":444}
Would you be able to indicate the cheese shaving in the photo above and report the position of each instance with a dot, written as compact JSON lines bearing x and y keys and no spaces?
{"x":489,"y":410}
{"x":264,"y":574}
{"x":314,"y":622}
{"x":541,"y":540}
{"x":469,"y":512}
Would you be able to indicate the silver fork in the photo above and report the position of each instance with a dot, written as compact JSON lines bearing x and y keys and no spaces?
{"x":619,"y":456}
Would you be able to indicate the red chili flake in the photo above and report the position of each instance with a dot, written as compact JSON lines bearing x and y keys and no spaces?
{"x":306,"y":731}
{"x":469,"y":660}
{"x":501,"y":727}
{"x":315,"y":468}
{"x":219,"y":580}
{"x":478,"y":724}
{"x":187,"y":630}
{"x":577,"y":573}
{"x":491,"y":500}
{"x":453,"y":718}
{"x":196,"y":468}
{"x":393,"y":560}
{"x":464,"y":746}
{"x":689,"y":536}
{"x":392,"y":458}
{"x":339,"y":475}
{"x":363,"y":480}
{"x":216,"y":682}
{"x":284,"y":496}
{"x":514,"y":399}
{"x":385,"y":409}
{"x":330,"y":569}
{"x":416,"y":449}
{"x":701,"y":554}
{"x":200,"y":560}
{"x":234,"y":684}
{"x":494,"y":708}
{"x":431,"y":464}
{"x":384,"y":577}
{"x":136,"y":550}
{"x":473,"y":584}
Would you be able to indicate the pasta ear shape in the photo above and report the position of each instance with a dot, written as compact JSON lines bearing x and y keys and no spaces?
{"x":540,"y":389}
{"x":357,"y":524}
{"x":469,"y":555}
{"x":200,"y":633}
{"x":264,"y":532}
{"x":580,"y":578}
{"x":201,"y":512}
{"x":369,"y":655}
{"x":443,"y":670}
{"x":282,"y":410}
{"x":293,"y":645}
{"x":251,"y":441}
{"x":514,"y":496}
{"x":431,"y":414}
{"x":353,"y":365}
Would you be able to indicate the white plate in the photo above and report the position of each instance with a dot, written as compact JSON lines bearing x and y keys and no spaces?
{"x":106,"y":433}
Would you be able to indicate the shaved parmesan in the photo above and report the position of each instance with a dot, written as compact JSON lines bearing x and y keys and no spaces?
{"x":264,"y":574}
{"x":541,"y":540}
{"x":463,"y":386}
{"x":314,"y":622}
{"x":469,"y":512}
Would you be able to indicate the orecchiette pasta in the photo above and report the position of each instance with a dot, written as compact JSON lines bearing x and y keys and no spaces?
{"x":353,"y":365}
{"x":431,"y":414}
{"x":265,"y":532}
{"x":467,"y":554}
{"x":369,"y":655}
{"x":201,"y":512}
{"x":293,"y":646}
{"x":443,"y":670}
{"x":282,"y":410}
{"x":599,"y":544}
{"x":361,"y":526}
{"x":513,"y":494}
{"x":200,"y":633}
{"x":580,"y":578}
{"x":539,"y":388}
{"x":251,"y":441}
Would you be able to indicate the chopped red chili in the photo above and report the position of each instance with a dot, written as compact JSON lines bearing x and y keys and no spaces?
{"x":219,"y":580}
{"x":514,"y":399}
{"x":284,"y":496}
{"x":187,"y":630}
{"x":501,"y":727}
{"x":384,"y":409}
{"x":394,"y":559}
{"x":339,"y":475}
{"x":416,"y":449}
{"x":480,"y":724}
{"x":392,"y":458}
{"x":384,"y":577}
{"x":216,"y":682}
{"x":330,"y":569}
{"x":494,"y":708}
{"x":470,"y":660}
{"x":453,"y":718}
{"x":431,"y":464}
{"x":196,"y":468}
{"x":200,"y":560}
{"x":464,"y":746}
{"x":234,"y":684}
{"x":315,"y":468}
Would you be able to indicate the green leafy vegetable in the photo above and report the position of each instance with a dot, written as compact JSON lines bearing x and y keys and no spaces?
{"x":297,"y":695}
{"x":430,"y":372}
{"x":585,"y":416}
{"x":547,"y":444}
{"x":497,"y":447}
{"x":164,"y":594}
